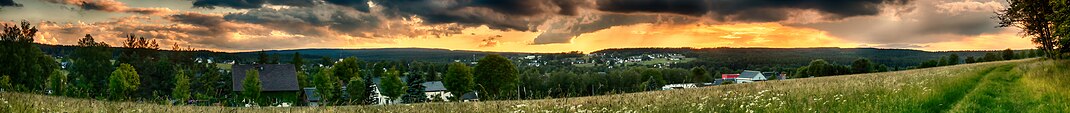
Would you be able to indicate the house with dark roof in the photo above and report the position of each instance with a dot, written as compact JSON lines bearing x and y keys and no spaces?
{"x":750,"y":76}
{"x":436,"y":91}
{"x":278,"y":81}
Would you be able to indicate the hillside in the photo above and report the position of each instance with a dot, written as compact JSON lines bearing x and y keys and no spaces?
{"x":1028,"y":85}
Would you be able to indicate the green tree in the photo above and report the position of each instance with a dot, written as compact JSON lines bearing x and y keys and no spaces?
{"x":953,"y":59}
{"x":970,"y":60}
{"x":23,"y":62}
{"x":357,"y":90}
{"x":91,"y":65}
{"x":862,"y":65}
{"x":699,"y":75}
{"x":299,"y":64}
{"x":392,"y":86}
{"x":991,"y":57}
{"x":1044,"y":21}
{"x":123,"y":81}
{"x":415,"y":90}
{"x":57,"y":82}
{"x":251,"y":85}
{"x":1008,"y":54}
{"x":496,"y":76}
{"x":348,"y":68}
{"x":5,"y":83}
{"x":262,"y":58}
{"x":181,"y":92}
{"x":327,"y":87}
{"x":458,"y":79}
{"x":883,"y":68}
{"x":653,"y":80}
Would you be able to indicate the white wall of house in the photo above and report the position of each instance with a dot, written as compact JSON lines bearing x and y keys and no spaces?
{"x":438,"y":95}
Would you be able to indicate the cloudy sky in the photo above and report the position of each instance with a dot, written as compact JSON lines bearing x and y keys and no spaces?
{"x":522,"y":25}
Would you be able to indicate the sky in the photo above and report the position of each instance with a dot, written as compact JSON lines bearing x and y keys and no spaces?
{"x":522,"y":25}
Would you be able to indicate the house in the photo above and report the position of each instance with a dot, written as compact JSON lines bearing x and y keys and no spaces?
{"x":278,"y":81}
{"x":750,"y":76}
{"x":311,"y":97}
{"x":729,"y":77}
{"x":678,"y":86}
{"x":470,"y":96}
{"x":436,"y":91}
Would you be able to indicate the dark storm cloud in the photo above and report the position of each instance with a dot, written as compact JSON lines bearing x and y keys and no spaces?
{"x":748,"y":10}
{"x":360,"y":5}
{"x":563,"y":32}
{"x":249,"y":4}
{"x":308,"y":21}
{"x":9,"y":3}
{"x":520,"y":15}
{"x":926,"y":22}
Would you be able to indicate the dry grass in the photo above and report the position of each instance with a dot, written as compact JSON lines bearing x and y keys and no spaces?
{"x":922,"y":90}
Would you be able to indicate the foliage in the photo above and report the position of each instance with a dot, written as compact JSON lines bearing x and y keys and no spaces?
{"x":953,"y":59}
{"x":357,"y":90}
{"x":496,"y":76}
{"x":123,"y":81}
{"x":251,"y":85}
{"x":348,"y":68}
{"x":327,"y":86}
{"x":23,"y":62}
{"x":392,"y":86}
{"x":181,"y":92}
{"x":5,"y":83}
{"x":1008,"y":54}
{"x":57,"y":82}
{"x":414,"y":93}
{"x":91,"y":65}
{"x":991,"y":57}
{"x":970,"y":60}
{"x":699,"y":75}
{"x":1045,"y":21}
{"x":862,"y":65}
{"x":819,"y":68}
{"x":458,"y":79}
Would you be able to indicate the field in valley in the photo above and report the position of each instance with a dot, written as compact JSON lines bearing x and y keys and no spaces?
{"x":1029,"y":85}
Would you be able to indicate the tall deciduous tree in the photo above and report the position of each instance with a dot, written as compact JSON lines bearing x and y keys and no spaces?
{"x":862,"y":65}
{"x":123,"y":81}
{"x":496,"y":76}
{"x":1041,"y":20}
{"x":357,"y":90}
{"x":1008,"y":54}
{"x":392,"y":86}
{"x":953,"y":59}
{"x":23,"y":62}
{"x":699,"y":75}
{"x":327,"y":87}
{"x":346,"y":69}
{"x":458,"y":79}
{"x":91,"y":65}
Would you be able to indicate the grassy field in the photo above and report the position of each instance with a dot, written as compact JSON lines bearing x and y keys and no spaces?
{"x":1008,"y":86}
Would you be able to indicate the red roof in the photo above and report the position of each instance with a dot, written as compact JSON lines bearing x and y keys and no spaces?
{"x":729,"y":76}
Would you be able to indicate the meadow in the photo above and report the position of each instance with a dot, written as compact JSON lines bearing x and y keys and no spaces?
{"x":1028,"y":85}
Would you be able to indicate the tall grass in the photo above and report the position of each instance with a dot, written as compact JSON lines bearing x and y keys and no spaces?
{"x":950,"y":88}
